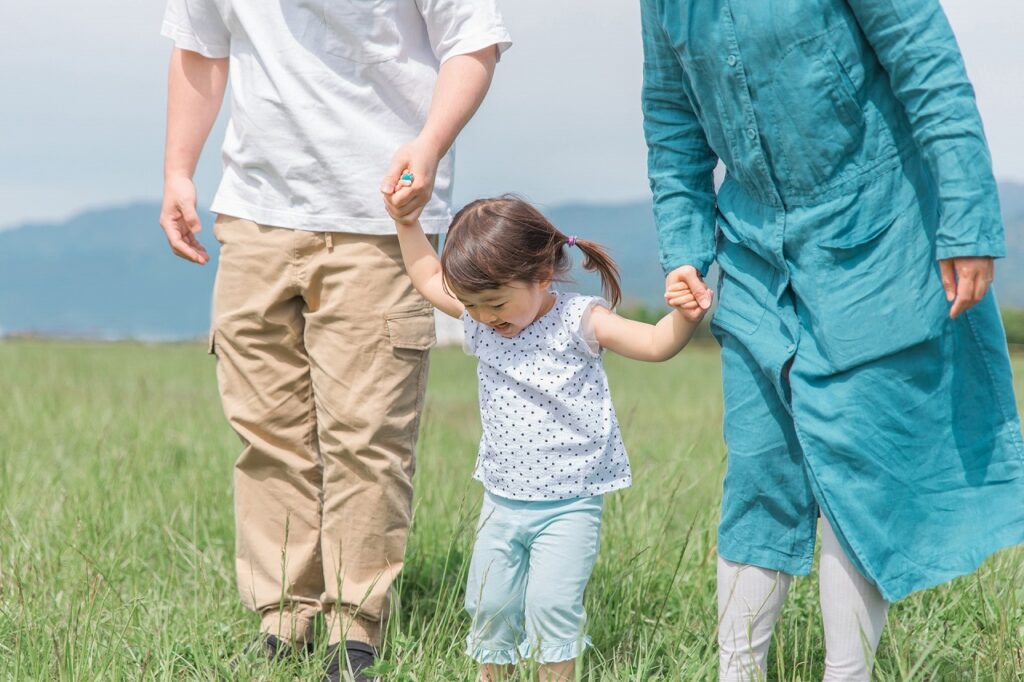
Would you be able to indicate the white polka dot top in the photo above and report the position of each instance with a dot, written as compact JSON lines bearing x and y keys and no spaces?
{"x":549,"y":427}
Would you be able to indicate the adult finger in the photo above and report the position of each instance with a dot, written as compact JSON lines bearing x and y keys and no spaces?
{"x":679,"y":299}
{"x":981,"y":286}
{"x":986,"y":273}
{"x":194,"y":225}
{"x":400,"y":196}
{"x":948,"y":274}
{"x":964,"y":292}
{"x":689,"y":275}
{"x":683,"y":295}
{"x":687,"y":299}
{"x":188,"y":213}
{"x":197,"y":246}
{"x":680,"y":290}
{"x":390,"y":181}
{"x":181,"y":249}
{"x":416,"y":196}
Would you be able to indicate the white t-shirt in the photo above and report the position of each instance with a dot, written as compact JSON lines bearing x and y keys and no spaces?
{"x":549,"y":427}
{"x":323,"y":93}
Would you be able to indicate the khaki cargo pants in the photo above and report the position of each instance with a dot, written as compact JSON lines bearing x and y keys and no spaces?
{"x":321,"y":345}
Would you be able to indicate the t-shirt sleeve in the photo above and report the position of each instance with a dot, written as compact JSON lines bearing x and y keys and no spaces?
{"x":469,"y":331}
{"x":461,"y":26}
{"x":197,"y":26}
{"x":585,"y":331}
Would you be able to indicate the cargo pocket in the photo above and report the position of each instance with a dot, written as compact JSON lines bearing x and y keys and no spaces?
{"x":411,"y":329}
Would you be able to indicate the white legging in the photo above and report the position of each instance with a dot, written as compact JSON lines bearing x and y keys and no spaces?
{"x":750,"y":600}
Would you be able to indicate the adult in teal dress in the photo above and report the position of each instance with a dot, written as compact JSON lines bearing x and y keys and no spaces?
{"x":865,"y":368}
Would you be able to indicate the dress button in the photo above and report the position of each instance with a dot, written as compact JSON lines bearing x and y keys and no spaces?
{"x":751,"y":134}
{"x":731,"y":60}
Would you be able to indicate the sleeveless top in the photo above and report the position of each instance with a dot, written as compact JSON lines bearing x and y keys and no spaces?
{"x":549,"y":427}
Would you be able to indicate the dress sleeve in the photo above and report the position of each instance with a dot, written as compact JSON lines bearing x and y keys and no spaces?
{"x":680,"y":163}
{"x":197,"y":26}
{"x":461,"y":26}
{"x":916,"y":46}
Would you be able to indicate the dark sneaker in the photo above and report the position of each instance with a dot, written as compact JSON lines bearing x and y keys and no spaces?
{"x":267,"y":647}
{"x":356,"y":657}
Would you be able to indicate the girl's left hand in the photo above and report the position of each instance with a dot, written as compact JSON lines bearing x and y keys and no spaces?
{"x":406,"y":199}
{"x":966,"y":281}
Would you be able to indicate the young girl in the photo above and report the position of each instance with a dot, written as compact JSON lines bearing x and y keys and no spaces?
{"x":551,"y":446}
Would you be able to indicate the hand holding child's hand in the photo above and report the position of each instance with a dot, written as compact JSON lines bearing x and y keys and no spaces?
{"x":685,"y":290}
{"x":409,"y":182}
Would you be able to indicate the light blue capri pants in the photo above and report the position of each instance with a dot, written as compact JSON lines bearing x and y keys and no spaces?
{"x":530,"y":566}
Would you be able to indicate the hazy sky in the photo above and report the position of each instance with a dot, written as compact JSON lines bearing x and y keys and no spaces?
{"x":83,"y":93}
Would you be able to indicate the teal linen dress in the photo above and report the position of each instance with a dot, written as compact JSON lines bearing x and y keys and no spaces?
{"x":855,"y":160}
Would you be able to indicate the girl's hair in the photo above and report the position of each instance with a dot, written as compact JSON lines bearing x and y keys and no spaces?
{"x":492,"y":242}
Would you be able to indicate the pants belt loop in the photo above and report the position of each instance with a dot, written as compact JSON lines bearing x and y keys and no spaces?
{"x":329,"y":241}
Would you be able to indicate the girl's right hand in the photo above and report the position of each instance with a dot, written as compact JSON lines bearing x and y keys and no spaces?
{"x":685,"y":290}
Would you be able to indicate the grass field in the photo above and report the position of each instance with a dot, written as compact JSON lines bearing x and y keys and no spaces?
{"x":116,"y":534}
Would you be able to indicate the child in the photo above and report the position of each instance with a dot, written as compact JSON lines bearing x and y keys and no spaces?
{"x":551,"y":446}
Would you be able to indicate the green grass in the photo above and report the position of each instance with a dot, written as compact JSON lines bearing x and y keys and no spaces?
{"x":116,"y":534}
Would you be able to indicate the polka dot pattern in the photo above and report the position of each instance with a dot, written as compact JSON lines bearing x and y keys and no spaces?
{"x":549,"y":427}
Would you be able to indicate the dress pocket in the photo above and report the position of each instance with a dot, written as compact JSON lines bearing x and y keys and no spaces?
{"x":873,"y":289}
{"x":818,"y":118}
{"x":362,"y":31}
{"x":411,"y":329}
{"x":744,"y":285}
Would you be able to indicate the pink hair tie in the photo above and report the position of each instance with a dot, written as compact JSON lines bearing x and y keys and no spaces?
{"x":572,"y":240}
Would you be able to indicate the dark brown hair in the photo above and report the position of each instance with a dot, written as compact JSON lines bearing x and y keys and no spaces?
{"x":492,"y":242}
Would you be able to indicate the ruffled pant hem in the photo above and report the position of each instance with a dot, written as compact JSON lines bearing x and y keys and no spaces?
{"x":546,"y":653}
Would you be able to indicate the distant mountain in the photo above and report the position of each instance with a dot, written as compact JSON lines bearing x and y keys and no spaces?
{"x":108,"y":273}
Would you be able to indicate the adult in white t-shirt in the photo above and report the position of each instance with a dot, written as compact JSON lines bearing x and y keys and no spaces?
{"x":320,"y":338}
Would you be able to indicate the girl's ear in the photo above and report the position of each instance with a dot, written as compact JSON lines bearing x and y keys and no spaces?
{"x":544,"y":283}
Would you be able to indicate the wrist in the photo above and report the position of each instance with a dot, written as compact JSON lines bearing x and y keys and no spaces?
{"x":434,"y":143}
{"x":176,"y":174}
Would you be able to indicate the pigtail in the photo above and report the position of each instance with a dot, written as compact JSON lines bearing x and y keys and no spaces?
{"x":597,"y":260}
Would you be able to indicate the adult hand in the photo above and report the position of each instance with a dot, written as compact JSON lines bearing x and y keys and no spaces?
{"x":686,"y":291}
{"x":406,"y":200}
{"x":966,"y":281}
{"x":180,"y":222}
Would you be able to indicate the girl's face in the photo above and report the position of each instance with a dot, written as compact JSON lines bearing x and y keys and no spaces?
{"x":510,"y":308}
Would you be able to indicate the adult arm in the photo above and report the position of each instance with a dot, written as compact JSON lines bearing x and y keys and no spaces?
{"x":462,"y":82}
{"x":195,"y":90}
{"x":680,"y":163}
{"x":467,"y":37}
{"x":915,"y":45}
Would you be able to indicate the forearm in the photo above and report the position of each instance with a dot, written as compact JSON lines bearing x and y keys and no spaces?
{"x":680,"y":163}
{"x":670,"y":335}
{"x":419,"y":256}
{"x":462,"y":83}
{"x":916,"y":46}
{"x":641,"y":341}
{"x":195,"y":90}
